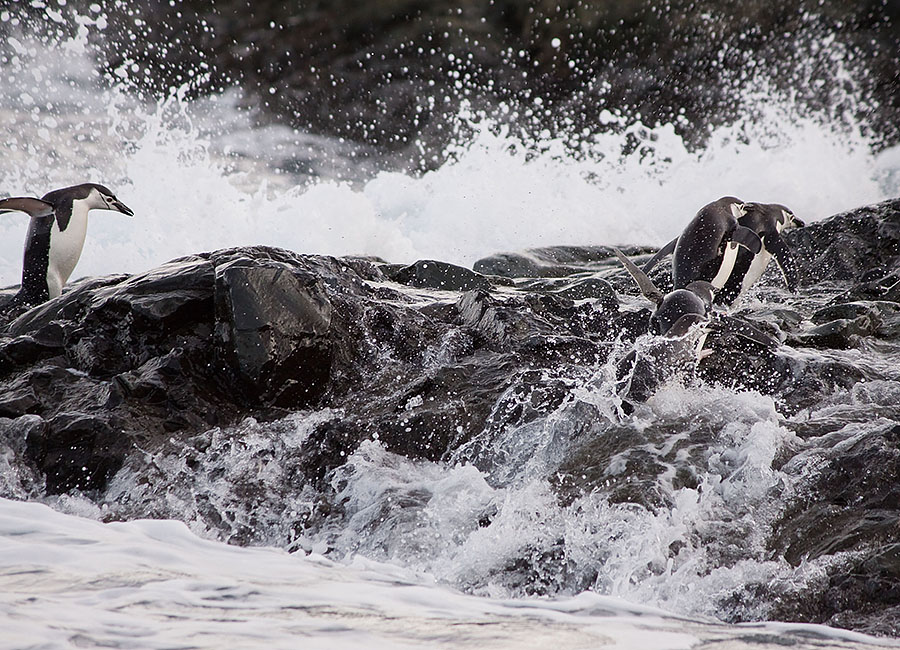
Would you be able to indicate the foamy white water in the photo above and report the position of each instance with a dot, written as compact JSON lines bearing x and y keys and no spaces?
{"x":70,"y":582}
{"x":199,"y":176}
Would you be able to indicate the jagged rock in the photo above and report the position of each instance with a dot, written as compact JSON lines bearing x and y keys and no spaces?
{"x":431,"y":274}
{"x":551,"y":262}
{"x":273,"y":330}
{"x":76,"y":450}
{"x":840,"y":334}
{"x":18,"y":401}
{"x":850,"y":245}
{"x":120,"y":372}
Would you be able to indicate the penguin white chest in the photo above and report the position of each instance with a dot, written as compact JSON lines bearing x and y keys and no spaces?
{"x":727,"y":266}
{"x":757,"y":268}
{"x":65,"y":247}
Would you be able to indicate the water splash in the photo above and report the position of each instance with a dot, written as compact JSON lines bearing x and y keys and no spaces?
{"x":201,"y":175}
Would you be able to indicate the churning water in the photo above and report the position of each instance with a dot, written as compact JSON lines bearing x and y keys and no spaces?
{"x":421,"y":554}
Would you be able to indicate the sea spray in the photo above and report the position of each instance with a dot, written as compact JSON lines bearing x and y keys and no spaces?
{"x":202,"y":175}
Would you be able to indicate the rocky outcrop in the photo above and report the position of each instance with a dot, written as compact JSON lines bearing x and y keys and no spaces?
{"x":435,"y":361}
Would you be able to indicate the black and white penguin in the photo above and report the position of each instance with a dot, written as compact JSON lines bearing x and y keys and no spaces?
{"x":677,"y":310}
{"x":681,"y":346}
{"x":768,"y":221}
{"x":708,"y":247}
{"x":56,"y":235}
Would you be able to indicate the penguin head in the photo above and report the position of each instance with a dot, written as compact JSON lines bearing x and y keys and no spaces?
{"x":789,"y":219}
{"x":683,"y":307}
{"x":101,"y":198}
{"x":727,"y":204}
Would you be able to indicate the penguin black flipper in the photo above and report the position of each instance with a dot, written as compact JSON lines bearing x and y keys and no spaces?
{"x":30,"y":206}
{"x":668,"y":249}
{"x":63,"y":214}
{"x":785,"y":259}
{"x":747,"y":238}
{"x":732,"y":289}
{"x":645,"y":284}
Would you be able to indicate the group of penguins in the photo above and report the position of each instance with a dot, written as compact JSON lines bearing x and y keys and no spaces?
{"x":721,"y":253}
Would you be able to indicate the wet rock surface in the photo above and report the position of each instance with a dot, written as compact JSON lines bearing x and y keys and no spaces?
{"x":133,"y":390}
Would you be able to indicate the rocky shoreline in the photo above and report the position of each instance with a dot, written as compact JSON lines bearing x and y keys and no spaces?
{"x":424,"y":357}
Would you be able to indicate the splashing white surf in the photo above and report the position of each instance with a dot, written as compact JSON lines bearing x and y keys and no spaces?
{"x":177,"y":165}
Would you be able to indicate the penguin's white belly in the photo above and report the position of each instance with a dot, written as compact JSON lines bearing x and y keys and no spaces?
{"x":727,"y":266}
{"x":65,"y":250}
{"x":757,"y":268}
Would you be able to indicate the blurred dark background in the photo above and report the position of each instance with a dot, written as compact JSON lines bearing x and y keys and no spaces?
{"x":391,"y":73}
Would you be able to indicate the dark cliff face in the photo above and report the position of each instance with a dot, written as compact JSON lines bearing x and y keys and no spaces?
{"x":122,"y":375}
{"x":393,"y":72}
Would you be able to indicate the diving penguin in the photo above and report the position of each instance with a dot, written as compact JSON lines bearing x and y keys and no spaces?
{"x":677,"y":311}
{"x":56,"y":236}
{"x":684,"y":319}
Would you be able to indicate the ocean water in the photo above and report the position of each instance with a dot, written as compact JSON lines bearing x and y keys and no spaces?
{"x":409,"y":564}
{"x":201,"y":176}
{"x":70,"y":582}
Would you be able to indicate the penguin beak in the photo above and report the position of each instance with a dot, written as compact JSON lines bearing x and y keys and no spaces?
{"x":121,"y":207}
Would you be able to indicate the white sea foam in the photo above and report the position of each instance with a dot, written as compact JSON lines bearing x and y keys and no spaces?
{"x":708,"y":543}
{"x":176,"y":164}
{"x":70,"y":582}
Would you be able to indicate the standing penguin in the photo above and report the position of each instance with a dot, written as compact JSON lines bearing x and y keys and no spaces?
{"x":56,"y":235}
{"x":768,"y":221}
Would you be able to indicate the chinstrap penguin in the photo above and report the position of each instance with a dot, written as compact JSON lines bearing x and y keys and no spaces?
{"x":56,"y":235}
{"x":747,"y":239}
{"x":683,"y":319}
{"x":677,"y":311}
{"x":708,"y":247}
{"x":768,"y":221}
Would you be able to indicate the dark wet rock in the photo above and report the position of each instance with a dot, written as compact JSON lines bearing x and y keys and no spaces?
{"x":851,"y":505}
{"x":849,"y":247}
{"x":272,"y":327}
{"x":838,"y":334}
{"x":521,"y":265}
{"x":182,"y":370}
{"x":75,"y":450}
{"x":575,"y":288}
{"x":853,"y":320}
{"x":551,"y":262}
{"x":590,"y":288}
{"x":26,"y":349}
{"x":431,"y":274}
{"x":18,"y":401}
